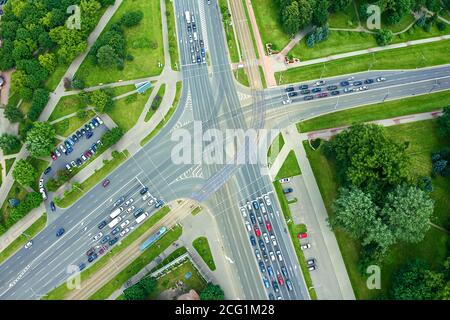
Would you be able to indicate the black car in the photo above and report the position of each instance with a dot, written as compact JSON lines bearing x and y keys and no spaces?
{"x":87,"y":128}
{"x":271,"y":296}
{"x":79,"y":162}
{"x":75,"y":138}
{"x":264,"y":254}
{"x":305,"y":91}
{"x":331,"y":88}
{"x":368,"y":81}
{"x":201,"y":43}
{"x":102,"y":224}
{"x":335,"y":92}
{"x":105,"y":239}
{"x":119,"y":201}
{"x":83,"y":132}
{"x":194,"y":27}
{"x":81,"y":266}
{"x":289,"y":89}
{"x":262,"y":267}
{"x":292,"y":94}
{"x":284,"y":271}
{"x":48,"y":170}
{"x":52,"y":206}
{"x":307,"y":98}
{"x":92,"y":257}
{"x":199,"y":59}
{"x":345,"y":83}
{"x":60,"y":232}
{"x":138,"y":212}
{"x":113,"y":241}
{"x":189,"y":28}
{"x":303,"y":86}
{"x":287,"y":190}
{"x":78,"y":133}
{"x":261,"y":243}
{"x":314,"y":90}
{"x":252,"y":218}
{"x":357,"y":83}
{"x":253,"y":240}
{"x":275,"y":286}
{"x":143,"y":190}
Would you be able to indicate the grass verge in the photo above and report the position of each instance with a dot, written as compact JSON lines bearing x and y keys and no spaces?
{"x":275,"y":149}
{"x":229,"y":32}
{"x":156,"y":102}
{"x":201,"y":245}
{"x":172,"y":35}
{"x":290,"y":167}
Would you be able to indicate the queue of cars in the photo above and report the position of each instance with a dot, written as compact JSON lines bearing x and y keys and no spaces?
{"x":197,"y":46}
{"x":118,"y":222}
{"x":265,"y":245}
{"x":320,"y":91}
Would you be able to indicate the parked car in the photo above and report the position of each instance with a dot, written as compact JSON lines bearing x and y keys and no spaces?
{"x":54,"y":157}
{"x":99,"y":120}
{"x":302,"y":235}
{"x":320,"y":83}
{"x":345,"y":83}
{"x":305,"y":246}
{"x":285,"y":180}
{"x":303,"y":86}
{"x":89,"y":135}
{"x":98,"y":236}
{"x":143,"y":190}
{"x":311,"y":262}
{"x":284,"y":271}
{"x":279,"y":256}
{"x":257,"y":232}
{"x":81,"y":266}
{"x":368,"y":81}
{"x":308,"y":98}
{"x":105,"y":239}
{"x":47,"y":171}
{"x":92,"y":257}
{"x":28,"y":244}
{"x":253,"y":240}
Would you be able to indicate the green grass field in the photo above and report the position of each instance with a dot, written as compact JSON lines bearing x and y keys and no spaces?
{"x":201,"y":245}
{"x":241,"y":77}
{"x":346,"y":19}
{"x":65,"y":106}
{"x":138,"y":264}
{"x":61,"y":291}
{"x":175,"y":254}
{"x":229,"y":33}
{"x":28,"y":234}
{"x":269,"y":25}
{"x":138,"y":41}
{"x":195,"y":282}
{"x":290,"y":167}
{"x":275,"y":149}
{"x":90,"y":182}
{"x":423,"y":139}
{"x":54,"y":79}
{"x":389,"y":109}
{"x":67,"y":126}
{"x":126,"y":111}
{"x":417,"y":56}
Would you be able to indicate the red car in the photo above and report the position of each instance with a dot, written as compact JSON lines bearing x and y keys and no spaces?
{"x":88,"y":154}
{"x":257,"y":232}
{"x":268,"y":226}
{"x":102,"y":250}
{"x":302,"y":235}
{"x":105,"y":183}
{"x":54,"y":157}
{"x":280,"y":280}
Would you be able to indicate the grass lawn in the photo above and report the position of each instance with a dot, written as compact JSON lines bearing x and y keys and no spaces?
{"x":117,"y":91}
{"x":167,"y":118}
{"x":138,"y":40}
{"x":290,"y":167}
{"x":60,"y":292}
{"x":431,"y":249}
{"x":151,"y":110}
{"x":201,"y":245}
{"x":69,"y":125}
{"x":25,"y":107}
{"x":269,"y":25}
{"x":34,"y":229}
{"x":229,"y":33}
{"x":389,"y":109}
{"x":172,"y":35}
{"x":275,"y":149}
{"x":175,"y":254}
{"x":138,"y":264}
{"x":195,"y":282}
{"x":418,"y":56}
{"x":9,"y":163}
{"x":346,"y":19}
{"x":294,"y":229}
{"x":54,"y":79}
{"x":17,"y":192}
{"x":66,"y":105}
{"x":241,"y":76}
{"x":40,"y":166}
{"x":90,"y":182}
{"x":126,"y":111}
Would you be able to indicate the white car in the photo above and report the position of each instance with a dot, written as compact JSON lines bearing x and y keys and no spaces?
{"x":125,"y":223}
{"x":272,"y":256}
{"x":305,"y":246}
{"x":98,"y":236}
{"x":286,"y":101}
{"x":267,"y":200}
{"x":350,"y":78}
{"x":285,"y":180}
{"x":244,"y":212}
{"x":263,"y":208}
{"x":363,"y":88}
{"x":41,"y":190}
{"x":249,"y":206}
{"x":380,"y":79}
{"x":146,"y":196}
{"x":41,"y":183}
{"x":320,"y":83}
{"x":128,"y":202}
{"x":99,"y":120}
{"x":151,"y":202}
{"x":29,"y":244}
{"x":248,"y":226}
{"x":266,"y":237}
{"x":130,"y":209}
{"x":83,"y":157}
{"x":58,"y":154}
{"x":280,"y":257}
{"x":124,"y":232}
{"x":274,"y":240}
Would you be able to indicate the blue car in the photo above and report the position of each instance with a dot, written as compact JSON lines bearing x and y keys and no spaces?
{"x":75,"y":138}
{"x":105,"y":239}
{"x":270,"y":271}
{"x":67,"y":144}
{"x":345,"y":83}
{"x":81,"y":266}
{"x":262,"y":267}
{"x":48,"y":170}
{"x":266,"y":283}
{"x":71,"y":142}
{"x":60,"y":232}
{"x":159,"y":204}
{"x":92,"y":257}
{"x":255,"y":205}
{"x":89,"y":134}
{"x":253,"y":240}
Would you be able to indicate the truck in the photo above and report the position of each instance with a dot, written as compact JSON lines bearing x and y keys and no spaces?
{"x":116,"y":212}
{"x":142,"y":217}
{"x":187,"y":15}
{"x":114,"y":222}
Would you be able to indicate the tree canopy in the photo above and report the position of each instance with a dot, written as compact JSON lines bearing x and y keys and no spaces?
{"x":212,"y":292}
{"x":40,"y":139}
{"x":24,"y":173}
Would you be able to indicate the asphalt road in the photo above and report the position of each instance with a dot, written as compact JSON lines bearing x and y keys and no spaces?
{"x":209,"y":95}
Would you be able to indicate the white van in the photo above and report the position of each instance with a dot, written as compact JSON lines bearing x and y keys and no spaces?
{"x":195,"y":36}
{"x":142,"y":217}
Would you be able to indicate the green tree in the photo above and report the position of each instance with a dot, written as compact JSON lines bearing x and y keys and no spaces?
{"x":106,"y":57}
{"x":320,"y":13}
{"x":339,"y":5}
{"x":89,"y":12}
{"x":212,"y":292}
{"x":384,"y":37}
{"x":48,"y":62}
{"x":291,"y":18}
{"x":101,"y":100}
{"x":24,"y":173}
{"x":131,"y":18}
{"x":40,"y":139}
{"x":9,"y":143}
{"x":444,"y":122}
{"x":13,"y":114}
